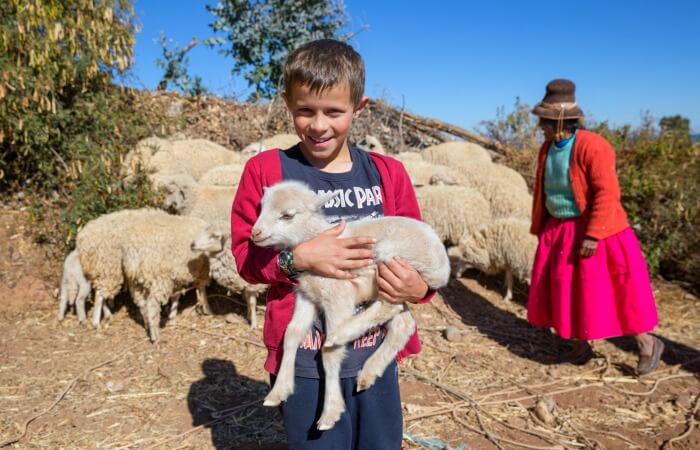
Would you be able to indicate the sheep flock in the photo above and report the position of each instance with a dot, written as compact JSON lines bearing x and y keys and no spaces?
{"x":479,"y":209}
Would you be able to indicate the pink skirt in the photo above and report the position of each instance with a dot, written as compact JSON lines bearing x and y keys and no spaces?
{"x":606,"y":295}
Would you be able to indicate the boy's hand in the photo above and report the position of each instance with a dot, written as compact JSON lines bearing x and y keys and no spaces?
{"x":398,"y":282}
{"x":330,"y":256}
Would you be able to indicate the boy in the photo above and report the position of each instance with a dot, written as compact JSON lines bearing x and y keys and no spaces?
{"x":323,"y":90}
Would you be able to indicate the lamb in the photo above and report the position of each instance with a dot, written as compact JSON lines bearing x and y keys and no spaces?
{"x":449,"y":153}
{"x":453,"y":211}
{"x":222,"y":268}
{"x":228,"y":175}
{"x":505,"y":200}
{"x":408,"y":156}
{"x":502,"y":245}
{"x":469,"y":173}
{"x":290,"y":214}
{"x":371,"y":144}
{"x":142,"y":153}
{"x":143,"y":247}
{"x":75,"y":288}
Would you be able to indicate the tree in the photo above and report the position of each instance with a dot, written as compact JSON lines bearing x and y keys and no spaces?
{"x":260,"y":33}
{"x":174,"y":64}
{"x":51,"y":53}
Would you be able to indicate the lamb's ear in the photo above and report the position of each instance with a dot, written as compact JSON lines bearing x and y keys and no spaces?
{"x":322,"y":199}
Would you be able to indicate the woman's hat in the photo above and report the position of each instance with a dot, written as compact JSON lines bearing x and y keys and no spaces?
{"x":559,"y":102}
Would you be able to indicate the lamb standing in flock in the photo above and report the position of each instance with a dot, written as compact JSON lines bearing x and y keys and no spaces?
{"x":410,"y":239}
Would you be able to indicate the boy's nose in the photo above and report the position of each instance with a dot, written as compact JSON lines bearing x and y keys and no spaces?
{"x":319,"y":123}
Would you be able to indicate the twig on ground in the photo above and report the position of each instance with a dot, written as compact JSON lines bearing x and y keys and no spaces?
{"x":691,"y":424}
{"x":653,"y":389}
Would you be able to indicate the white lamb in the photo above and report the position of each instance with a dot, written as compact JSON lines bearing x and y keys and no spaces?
{"x":453,"y":211}
{"x":222,"y":267}
{"x":141,"y":248}
{"x":423,"y":173}
{"x":187,"y":197}
{"x":290,"y":214}
{"x":282,"y":141}
{"x":75,"y":288}
{"x":502,"y":245}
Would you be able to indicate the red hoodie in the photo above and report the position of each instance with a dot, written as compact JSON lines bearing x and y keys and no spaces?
{"x":259,"y":265}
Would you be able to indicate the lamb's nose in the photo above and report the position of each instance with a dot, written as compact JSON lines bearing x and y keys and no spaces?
{"x":255,"y":233}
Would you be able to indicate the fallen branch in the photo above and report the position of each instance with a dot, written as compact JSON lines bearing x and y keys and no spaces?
{"x":691,"y":425}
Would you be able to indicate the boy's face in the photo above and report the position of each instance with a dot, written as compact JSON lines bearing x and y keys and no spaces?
{"x":322,"y":120}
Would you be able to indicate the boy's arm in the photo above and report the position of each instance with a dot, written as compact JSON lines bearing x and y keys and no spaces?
{"x":255,"y":264}
{"x":407,"y":206}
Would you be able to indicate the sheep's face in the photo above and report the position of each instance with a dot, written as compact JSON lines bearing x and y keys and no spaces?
{"x":177,"y":190}
{"x":209,"y":241}
{"x":475,"y":253}
{"x":289,"y":214}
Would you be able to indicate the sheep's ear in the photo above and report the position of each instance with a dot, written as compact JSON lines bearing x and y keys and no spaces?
{"x":322,"y":199}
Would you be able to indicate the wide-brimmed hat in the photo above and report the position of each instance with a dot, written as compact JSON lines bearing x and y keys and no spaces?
{"x":559,"y":102}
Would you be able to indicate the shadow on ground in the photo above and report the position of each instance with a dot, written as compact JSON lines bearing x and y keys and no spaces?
{"x":230,"y":406}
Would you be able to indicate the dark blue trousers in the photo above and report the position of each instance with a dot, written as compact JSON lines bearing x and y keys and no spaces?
{"x":372,"y":420}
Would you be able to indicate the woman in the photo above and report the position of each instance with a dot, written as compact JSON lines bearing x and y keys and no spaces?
{"x":589,"y":278}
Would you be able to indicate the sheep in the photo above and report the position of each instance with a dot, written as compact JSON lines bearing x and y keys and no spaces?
{"x":423,"y":173}
{"x":186,"y":197}
{"x":505,"y":200}
{"x":75,"y":288}
{"x":228,"y":175}
{"x":222,"y":268}
{"x":107,"y":243}
{"x":409,"y":156}
{"x":371,"y":144}
{"x":456,"y":151}
{"x":159,"y":261}
{"x":193,"y":157}
{"x":470,"y":174}
{"x":453,"y":211}
{"x":282,"y":141}
{"x":290,"y":214}
{"x":142,"y":153}
{"x":502,"y":245}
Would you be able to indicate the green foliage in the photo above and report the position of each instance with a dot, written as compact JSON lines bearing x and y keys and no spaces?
{"x":51,"y":53}
{"x":64,"y":126}
{"x":260,"y":33}
{"x":174,"y":63}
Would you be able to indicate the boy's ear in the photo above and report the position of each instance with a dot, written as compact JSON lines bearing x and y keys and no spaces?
{"x":361,"y":106}
{"x":322,"y":199}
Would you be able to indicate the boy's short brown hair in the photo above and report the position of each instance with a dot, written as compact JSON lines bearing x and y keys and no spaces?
{"x":324,"y":64}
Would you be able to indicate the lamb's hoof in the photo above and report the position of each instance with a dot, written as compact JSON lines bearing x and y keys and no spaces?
{"x":271,"y":402}
{"x":204,"y":310}
{"x":328,"y":421}
{"x":365,"y":381}
{"x":273,"y":399}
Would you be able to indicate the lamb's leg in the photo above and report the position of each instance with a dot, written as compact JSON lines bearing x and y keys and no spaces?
{"x":62,"y":303}
{"x":106,"y":312}
{"x":83,"y":294}
{"x":398,"y":330}
{"x":509,"y":285}
{"x":377,"y":313}
{"x":202,"y":300}
{"x":251,"y":300}
{"x":153,"y":319}
{"x":97,"y":309}
{"x":175,"y":302}
{"x":336,"y":313}
{"x":302,"y":318}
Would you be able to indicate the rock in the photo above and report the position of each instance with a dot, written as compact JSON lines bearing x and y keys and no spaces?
{"x":114,"y":386}
{"x":683,"y":401}
{"x":230,"y":318}
{"x":453,"y":334}
{"x":544,"y":410}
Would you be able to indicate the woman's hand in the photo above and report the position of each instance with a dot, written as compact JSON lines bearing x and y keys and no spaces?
{"x":588,"y":247}
{"x":330,"y":256}
{"x":398,"y":282}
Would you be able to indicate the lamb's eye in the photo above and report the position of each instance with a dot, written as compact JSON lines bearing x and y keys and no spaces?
{"x":287,"y":215}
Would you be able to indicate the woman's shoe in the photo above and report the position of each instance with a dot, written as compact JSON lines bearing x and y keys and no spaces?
{"x":648,"y":363}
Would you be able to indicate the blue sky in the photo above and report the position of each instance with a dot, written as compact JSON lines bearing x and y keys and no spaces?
{"x":458,"y":61}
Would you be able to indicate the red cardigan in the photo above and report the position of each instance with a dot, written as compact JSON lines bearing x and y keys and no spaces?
{"x":594,"y":183}
{"x":259,"y":265}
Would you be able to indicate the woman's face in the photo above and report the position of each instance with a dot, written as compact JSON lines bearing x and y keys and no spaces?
{"x":549,"y":129}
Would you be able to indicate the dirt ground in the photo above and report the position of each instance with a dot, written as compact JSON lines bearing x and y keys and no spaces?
{"x":201,"y":386}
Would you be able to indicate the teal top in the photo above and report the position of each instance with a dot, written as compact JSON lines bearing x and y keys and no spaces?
{"x":559,"y":196}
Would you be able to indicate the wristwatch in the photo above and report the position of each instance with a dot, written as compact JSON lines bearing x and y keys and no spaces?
{"x":285,"y":260}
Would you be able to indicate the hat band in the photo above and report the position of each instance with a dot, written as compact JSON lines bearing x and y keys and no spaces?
{"x":562,"y":106}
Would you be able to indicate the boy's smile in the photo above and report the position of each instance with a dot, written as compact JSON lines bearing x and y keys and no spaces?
{"x":322,"y":121}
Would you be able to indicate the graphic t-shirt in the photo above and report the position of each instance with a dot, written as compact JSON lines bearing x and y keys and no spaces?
{"x":359,"y":196}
